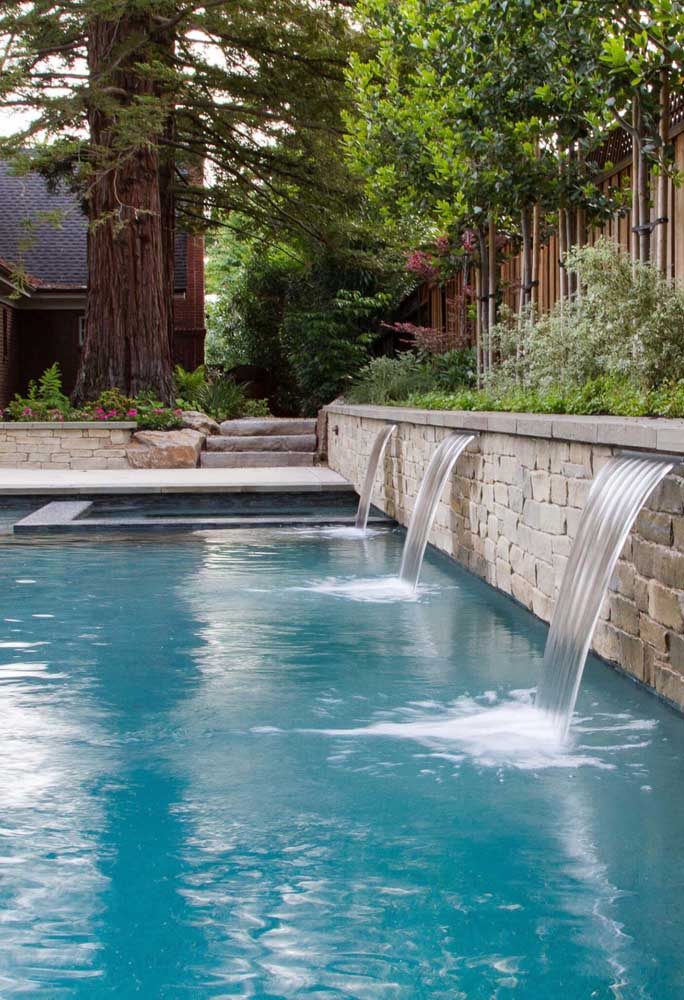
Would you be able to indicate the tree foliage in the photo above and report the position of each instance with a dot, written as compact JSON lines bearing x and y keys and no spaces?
{"x":310,"y":317}
{"x":469,"y":108}
{"x":252,"y":90}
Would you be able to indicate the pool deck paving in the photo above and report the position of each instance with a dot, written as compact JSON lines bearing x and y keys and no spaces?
{"x":62,"y":482}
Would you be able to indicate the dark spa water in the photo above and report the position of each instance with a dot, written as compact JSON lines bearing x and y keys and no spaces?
{"x":226,"y":774}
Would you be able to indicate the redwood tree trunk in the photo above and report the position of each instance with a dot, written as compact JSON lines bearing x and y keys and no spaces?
{"x":167,"y":194}
{"x":168,"y":218}
{"x":128,"y":308}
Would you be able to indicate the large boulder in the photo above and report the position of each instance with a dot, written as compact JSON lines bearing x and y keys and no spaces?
{"x":198,"y":421}
{"x":165,"y":449}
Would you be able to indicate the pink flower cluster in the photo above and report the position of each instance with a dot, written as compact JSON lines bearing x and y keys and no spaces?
{"x":101,"y":414}
{"x":469,"y":241}
{"x":422,"y":264}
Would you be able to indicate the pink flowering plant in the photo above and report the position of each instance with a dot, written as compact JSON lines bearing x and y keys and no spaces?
{"x":45,"y":402}
{"x":444,"y":257}
{"x":147,"y":412}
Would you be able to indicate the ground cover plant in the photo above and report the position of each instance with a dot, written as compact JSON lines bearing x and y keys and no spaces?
{"x":616,"y":348}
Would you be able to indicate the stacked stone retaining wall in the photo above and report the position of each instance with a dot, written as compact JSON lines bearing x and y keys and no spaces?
{"x":64,"y":446}
{"x":511,"y":510}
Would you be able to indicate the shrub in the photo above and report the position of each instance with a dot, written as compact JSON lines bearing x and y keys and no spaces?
{"x":628,"y":323}
{"x":605,"y":395}
{"x":219,"y":396}
{"x":222,"y":399}
{"x":390,"y":380}
{"x":455,"y":368}
{"x":255,"y":408}
{"x":158,"y":418}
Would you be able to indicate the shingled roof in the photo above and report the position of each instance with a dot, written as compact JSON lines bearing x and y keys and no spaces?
{"x":53,"y":256}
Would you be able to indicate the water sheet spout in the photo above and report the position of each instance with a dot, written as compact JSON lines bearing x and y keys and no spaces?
{"x":616,"y":497}
{"x":376,"y":455}
{"x":423,"y":516}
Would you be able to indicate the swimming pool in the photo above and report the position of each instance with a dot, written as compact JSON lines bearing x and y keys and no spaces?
{"x":228,"y":773}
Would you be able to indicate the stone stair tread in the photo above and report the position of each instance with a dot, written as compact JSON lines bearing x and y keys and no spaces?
{"x":262,"y":442}
{"x":272,"y":426}
{"x":255,"y":459}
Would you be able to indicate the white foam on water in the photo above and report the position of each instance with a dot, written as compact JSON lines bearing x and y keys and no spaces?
{"x":508,"y":734}
{"x":22,"y":645}
{"x":342,"y":531}
{"x":378,"y":590}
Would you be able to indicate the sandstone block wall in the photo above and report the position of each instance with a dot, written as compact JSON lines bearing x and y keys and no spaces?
{"x":511,"y":511}
{"x":64,"y":446}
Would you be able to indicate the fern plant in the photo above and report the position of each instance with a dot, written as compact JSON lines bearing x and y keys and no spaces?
{"x":50,"y":389}
{"x":189,"y":385}
{"x":44,"y":399}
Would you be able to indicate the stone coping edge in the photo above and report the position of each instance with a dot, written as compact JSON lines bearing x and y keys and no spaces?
{"x":652,"y":433}
{"x":66,"y":425}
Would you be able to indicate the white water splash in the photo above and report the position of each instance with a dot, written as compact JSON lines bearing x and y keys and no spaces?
{"x":509,"y":734}
{"x":338,"y":531}
{"x":380,"y":590}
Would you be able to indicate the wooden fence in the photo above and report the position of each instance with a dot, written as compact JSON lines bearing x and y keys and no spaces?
{"x":444,"y":308}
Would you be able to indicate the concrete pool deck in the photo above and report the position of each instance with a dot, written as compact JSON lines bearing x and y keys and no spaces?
{"x":61,"y":482}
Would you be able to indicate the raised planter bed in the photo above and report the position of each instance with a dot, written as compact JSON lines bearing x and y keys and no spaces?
{"x":68,"y":445}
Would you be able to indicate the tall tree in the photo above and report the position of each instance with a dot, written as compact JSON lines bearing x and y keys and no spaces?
{"x":643,"y":51}
{"x":485,"y":114}
{"x":132,"y":100}
{"x":469,"y":111}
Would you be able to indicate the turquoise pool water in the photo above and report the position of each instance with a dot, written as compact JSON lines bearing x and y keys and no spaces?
{"x":12,"y":509}
{"x":224,"y":775}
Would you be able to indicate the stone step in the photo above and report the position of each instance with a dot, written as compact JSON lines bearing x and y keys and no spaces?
{"x":262,"y":442}
{"x":254,"y":459}
{"x":272,"y":426}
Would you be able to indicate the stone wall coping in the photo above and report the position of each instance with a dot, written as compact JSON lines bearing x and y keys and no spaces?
{"x":652,"y":433}
{"x":66,"y":425}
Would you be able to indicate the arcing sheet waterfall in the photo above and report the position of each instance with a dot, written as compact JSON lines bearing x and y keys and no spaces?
{"x":434,"y":481}
{"x":616,"y":497}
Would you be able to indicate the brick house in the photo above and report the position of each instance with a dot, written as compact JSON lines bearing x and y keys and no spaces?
{"x":44,"y":322}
